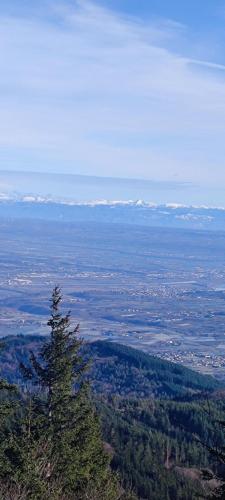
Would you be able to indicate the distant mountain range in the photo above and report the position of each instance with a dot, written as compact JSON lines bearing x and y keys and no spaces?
{"x":137,"y":212}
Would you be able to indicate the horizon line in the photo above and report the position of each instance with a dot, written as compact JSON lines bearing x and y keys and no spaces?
{"x":172,"y":183}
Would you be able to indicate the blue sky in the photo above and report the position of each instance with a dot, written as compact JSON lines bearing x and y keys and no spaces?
{"x":128,"y":88}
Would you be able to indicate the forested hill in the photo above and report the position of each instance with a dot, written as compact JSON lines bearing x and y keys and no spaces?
{"x":116,"y":369}
{"x":154,"y":424}
{"x":130,"y":372}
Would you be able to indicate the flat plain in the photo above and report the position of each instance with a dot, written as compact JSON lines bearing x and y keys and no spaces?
{"x":158,"y":289}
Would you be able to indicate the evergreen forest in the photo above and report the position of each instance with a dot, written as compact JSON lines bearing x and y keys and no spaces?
{"x":103,"y":421}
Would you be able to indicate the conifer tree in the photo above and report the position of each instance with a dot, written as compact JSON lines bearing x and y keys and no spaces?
{"x":8,"y":404}
{"x":74,"y":463}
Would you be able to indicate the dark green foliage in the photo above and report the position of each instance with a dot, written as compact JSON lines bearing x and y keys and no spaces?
{"x":154,"y":417}
{"x":217,"y":451}
{"x":154,"y":441}
{"x":57,"y":450}
{"x":118,"y":369}
{"x":8,"y":407}
{"x":133,"y":371}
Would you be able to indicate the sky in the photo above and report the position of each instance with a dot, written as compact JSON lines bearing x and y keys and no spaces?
{"x":117,"y":88}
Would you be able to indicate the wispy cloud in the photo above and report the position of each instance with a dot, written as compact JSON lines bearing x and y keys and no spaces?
{"x":87,"y":91}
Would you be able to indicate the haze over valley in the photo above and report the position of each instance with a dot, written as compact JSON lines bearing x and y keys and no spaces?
{"x":160,"y":289}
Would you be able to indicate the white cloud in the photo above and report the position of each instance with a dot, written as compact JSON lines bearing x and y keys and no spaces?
{"x":101,"y":94}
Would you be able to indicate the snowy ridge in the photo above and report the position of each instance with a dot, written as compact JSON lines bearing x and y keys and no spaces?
{"x":30,"y":198}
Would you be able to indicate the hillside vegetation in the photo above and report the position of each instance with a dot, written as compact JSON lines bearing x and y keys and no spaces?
{"x":116,"y":369}
{"x":145,"y":432}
